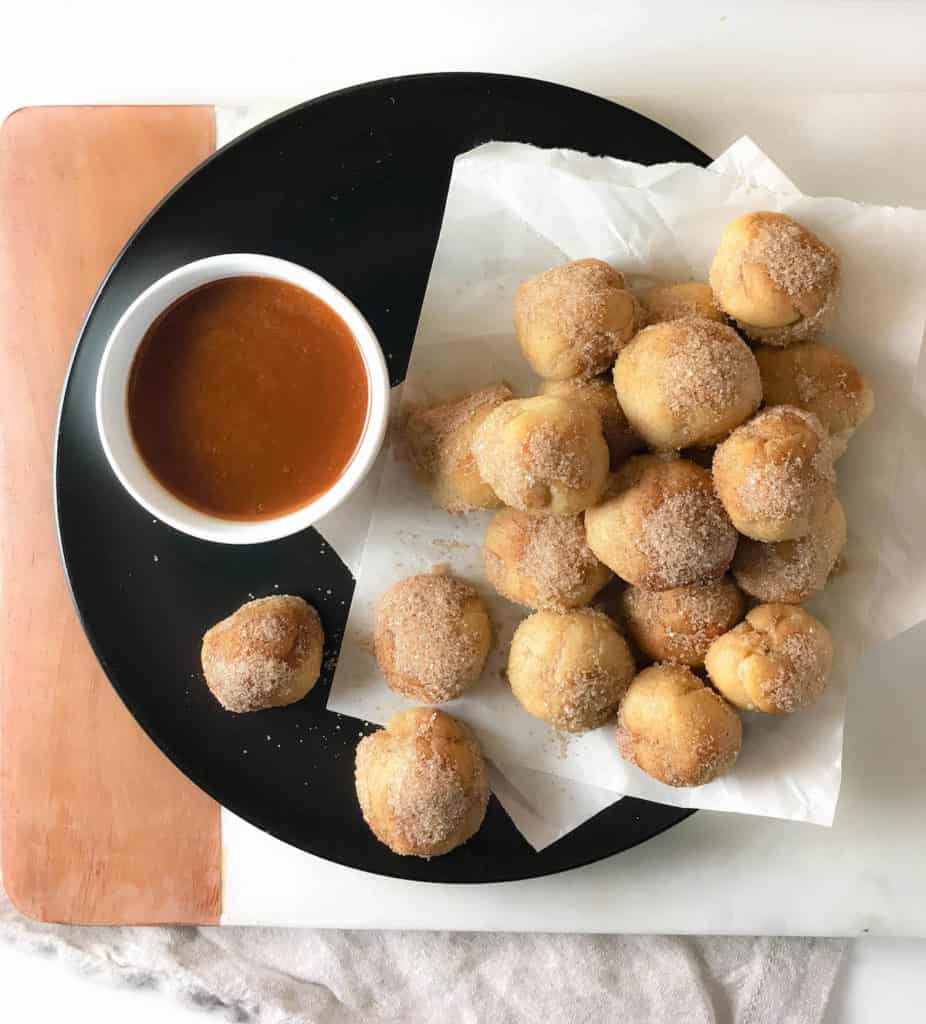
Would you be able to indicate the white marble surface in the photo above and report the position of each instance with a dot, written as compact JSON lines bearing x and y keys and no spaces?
{"x":237,"y":52}
{"x":836,"y":91}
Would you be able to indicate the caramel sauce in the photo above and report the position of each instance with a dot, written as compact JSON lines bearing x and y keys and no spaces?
{"x":247,"y":398}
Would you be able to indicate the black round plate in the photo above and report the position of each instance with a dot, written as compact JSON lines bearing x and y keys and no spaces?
{"x":352,"y":185}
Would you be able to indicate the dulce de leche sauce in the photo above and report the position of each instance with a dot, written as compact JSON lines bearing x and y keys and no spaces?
{"x":247,"y":398}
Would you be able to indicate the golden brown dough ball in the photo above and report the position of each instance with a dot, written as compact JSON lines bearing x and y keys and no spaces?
{"x":792,"y":571}
{"x":777,"y":660}
{"x":679,"y":625}
{"x":543,"y":454}
{"x":432,"y":637}
{"x":422,"y":783}
{"x":265,"y":655}
{"x":599,"y":393}
{"x":775,"y":278}
{"x":676,"y":729}
{"x":679,"y":301}
{"x":440,"y":442}
{"x":569,"y":669}
{"x":775,"y":474}
{"x":572,"y":320}
{"x":542,"y":561}
{"x":661,"y":525}
{"x":820,"y":380}
{"x":687,"y":383}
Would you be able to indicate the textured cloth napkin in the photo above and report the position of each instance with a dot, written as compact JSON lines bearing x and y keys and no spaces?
{"x":291,"y":976}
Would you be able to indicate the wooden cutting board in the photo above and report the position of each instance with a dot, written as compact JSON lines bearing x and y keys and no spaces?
{"x":96,"y":825}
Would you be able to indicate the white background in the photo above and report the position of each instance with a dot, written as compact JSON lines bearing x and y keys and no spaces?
{"x":712,"y":71}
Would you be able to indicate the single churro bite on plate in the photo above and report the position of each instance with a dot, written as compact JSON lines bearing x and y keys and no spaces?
{"x":542,"y":561}
{"x":440,"y":438}
{"x":267,"y":654}
{"x":599,"y":393}
{"x":687,"y":383}
{"x":572,"y":321}
{"x":432,"y":637}
{"x":543,"y":454}
{"x":792,"y":571}
{"x":660,"y":524}
{"x":775,"y":474}
{"x":820,"y":380}
{"x":422,"y":783}
{"x":775,"y":278}
{"x":679,"y":301}
{"x":679,"y":625}
{"x":777,"y":660}
{"x":570,"y":669}
{"x":676,"y":729}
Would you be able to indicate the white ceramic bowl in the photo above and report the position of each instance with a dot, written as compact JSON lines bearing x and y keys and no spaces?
{"x":112,"y":404}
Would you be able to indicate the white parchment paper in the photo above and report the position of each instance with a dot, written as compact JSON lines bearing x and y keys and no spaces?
{"x":513,"y":211}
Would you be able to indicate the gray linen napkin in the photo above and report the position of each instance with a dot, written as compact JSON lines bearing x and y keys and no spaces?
{"x":295,"y":976}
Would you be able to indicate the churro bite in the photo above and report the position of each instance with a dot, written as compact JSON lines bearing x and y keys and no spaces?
{"x":422,"y":783}
{"x":570,"y":669}
{"x":820,"y":380}
{"x":432,"y":637}
{"x":775,"y":474}
{"x":544,"y":454}
{"x":660,"y":525}
{"x":777,"y":660}
{"x":775,"y":278}
{"x":572,"y":321}
{"x":267,"y":654}
{"x":687,"y":383}
{"x":542,"y":561}
{"x":679,"y":301}
{"x":676,"y":729}
{"x":679,"y":625}
{"x":440,"y":439}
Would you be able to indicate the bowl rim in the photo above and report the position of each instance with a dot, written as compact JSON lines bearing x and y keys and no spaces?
{"x":111,"y":413}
